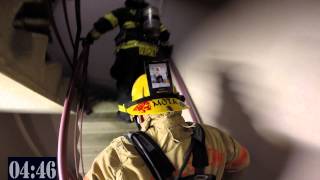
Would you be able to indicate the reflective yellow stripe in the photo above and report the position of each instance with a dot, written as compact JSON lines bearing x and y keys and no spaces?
{"x":145,"y":49}
{"x":148,"y":51}
{"x":128,"y":44}
{"x":95,"y":34}
{"x":129,"y":25}
{"x":121,"y":108}
{"x":162,"y":28}
{"x":133,"y":11}
{"x":112,"y":19}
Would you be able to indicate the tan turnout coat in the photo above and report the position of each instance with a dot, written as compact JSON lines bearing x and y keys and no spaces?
{"x":120,"y":160}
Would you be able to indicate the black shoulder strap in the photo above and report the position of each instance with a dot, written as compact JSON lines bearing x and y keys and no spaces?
{"x":199,"y":152}
{"x":158,"y":163}
{"x":200,"y":156}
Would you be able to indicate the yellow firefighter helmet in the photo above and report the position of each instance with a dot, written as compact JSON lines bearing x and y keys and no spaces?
{"x":142,"y":103}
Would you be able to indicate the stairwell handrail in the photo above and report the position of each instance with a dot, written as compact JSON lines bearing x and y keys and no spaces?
{"x":74,"y":87}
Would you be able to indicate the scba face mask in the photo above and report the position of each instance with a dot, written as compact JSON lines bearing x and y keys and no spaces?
{"x":151,"y":21}
{"x":148,"y":15}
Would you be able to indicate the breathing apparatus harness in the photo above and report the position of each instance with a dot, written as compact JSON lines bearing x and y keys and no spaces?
{"x":159,"y":164}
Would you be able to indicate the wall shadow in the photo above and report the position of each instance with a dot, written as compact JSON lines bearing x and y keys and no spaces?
{"x":268,"y":160}
{"x":39,"y":124}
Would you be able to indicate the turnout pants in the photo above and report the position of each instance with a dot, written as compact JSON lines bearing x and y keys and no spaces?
{"x":129,"y":65}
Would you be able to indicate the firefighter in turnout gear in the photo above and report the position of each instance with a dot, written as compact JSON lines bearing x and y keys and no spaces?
{"x":179,"y":149}
{"x":140,"y":36}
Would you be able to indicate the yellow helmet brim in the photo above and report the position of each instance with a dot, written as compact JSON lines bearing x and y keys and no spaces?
{"x":156,"y":106}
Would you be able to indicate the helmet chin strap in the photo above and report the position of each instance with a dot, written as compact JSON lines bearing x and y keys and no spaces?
{"x":135,"y":120}
{"x":140,"y":119}
{"x":144,"y":122}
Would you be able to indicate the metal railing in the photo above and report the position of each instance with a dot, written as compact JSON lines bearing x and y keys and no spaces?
{"x":76,"y":91}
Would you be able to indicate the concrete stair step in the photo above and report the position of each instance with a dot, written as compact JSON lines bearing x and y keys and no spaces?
{"x":110,"y":128}
{"x":101,"y":138}
{"x":105,"y":108}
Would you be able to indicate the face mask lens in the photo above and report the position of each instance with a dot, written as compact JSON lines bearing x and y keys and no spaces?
{"x":151,"y":24}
